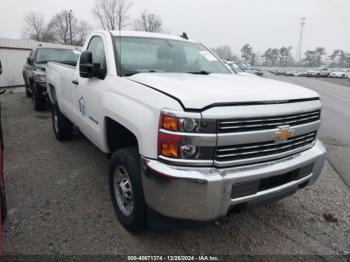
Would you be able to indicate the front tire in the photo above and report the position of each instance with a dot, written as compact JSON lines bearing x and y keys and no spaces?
{"x":28,"y":93}
{"x":62,"y":126}
{"x":126,"y":189}
{"x":39,"y":104}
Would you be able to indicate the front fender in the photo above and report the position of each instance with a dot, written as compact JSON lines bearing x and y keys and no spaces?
{"x":138,"y":118}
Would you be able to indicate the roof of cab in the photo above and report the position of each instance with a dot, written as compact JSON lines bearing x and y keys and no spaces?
{"x":149,"y":35}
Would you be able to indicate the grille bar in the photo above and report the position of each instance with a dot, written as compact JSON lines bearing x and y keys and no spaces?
{"x":261,"y":145}
{"x":251,"y":124}
{"x":257,"y":150}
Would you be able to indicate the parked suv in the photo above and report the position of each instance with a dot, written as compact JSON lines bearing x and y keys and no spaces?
{"x":324,"y":72}
{"x":34,"y":71}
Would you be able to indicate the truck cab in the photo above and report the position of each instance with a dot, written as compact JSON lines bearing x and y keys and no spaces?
{"x":188,"y":139}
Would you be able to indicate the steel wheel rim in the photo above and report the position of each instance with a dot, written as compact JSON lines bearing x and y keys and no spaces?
{"x":123,"y":190}
{"x":55,"y":120}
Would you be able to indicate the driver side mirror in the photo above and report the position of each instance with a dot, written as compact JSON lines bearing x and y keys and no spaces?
{"x":29,"y":61}
{"x":85,"y":65}
{"x":88,"y":69}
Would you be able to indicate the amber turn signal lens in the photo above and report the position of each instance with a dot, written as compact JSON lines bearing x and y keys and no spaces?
{"x":169,"y":150}
{"x":170,"y":123}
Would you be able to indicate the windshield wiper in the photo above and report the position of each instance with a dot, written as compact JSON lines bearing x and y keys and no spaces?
{"x":202,"y":72}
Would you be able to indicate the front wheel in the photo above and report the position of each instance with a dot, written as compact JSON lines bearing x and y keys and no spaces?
{"x":62,"y":126}
{"x":126,"y":189}
{"x":39,"y":103}
{"x":28,"y":93}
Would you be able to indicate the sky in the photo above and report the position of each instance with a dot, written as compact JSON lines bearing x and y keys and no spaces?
{"x":261,"y":23}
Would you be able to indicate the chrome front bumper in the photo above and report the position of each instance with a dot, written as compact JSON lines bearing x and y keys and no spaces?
{"x":204,"y":194}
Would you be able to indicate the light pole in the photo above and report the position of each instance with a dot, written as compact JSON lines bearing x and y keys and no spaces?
{"x":70,"y":27}
{"x":300,"y":43}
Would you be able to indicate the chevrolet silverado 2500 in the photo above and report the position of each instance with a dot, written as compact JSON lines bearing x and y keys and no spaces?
{"x":187,"y":137}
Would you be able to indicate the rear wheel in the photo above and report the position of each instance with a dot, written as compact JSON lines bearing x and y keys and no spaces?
{"x":62,"y":126}
{"x":126,"y":189}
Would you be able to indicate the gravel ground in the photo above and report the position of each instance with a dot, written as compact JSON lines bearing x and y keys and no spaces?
{"x":59,"y":203}
{"x":338,"y":81}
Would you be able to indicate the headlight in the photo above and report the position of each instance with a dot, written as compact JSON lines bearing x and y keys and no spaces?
{"x":190,"y":125}
{"x":40,"y":77}
{"x":187,"y":125}
{"x":185,"y":138}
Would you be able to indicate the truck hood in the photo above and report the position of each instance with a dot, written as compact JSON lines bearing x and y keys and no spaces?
{"x":41,"y":67}
{"x":199,"y":91}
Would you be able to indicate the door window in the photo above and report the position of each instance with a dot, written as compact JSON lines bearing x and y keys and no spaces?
{"x":98,"y":52}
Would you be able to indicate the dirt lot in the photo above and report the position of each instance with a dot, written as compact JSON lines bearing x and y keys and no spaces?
{"x":59,"y":203}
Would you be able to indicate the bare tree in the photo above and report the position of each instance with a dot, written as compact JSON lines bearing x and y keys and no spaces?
{"x":60,"y":26}
{"x":82,"y":30}
{"x":34,"y":26}
{"x":225,"y":53}
{"x":112,"y":14}
{"x":148,"y":22}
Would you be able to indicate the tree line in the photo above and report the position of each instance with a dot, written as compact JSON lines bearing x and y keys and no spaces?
{"x":283,"y":56}
{"x":65,"y":28}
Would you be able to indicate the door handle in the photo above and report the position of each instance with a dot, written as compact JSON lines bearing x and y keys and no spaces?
{"x":75,"y":82}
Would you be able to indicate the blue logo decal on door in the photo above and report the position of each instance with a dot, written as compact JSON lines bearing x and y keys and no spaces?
{"x":82,"y":106}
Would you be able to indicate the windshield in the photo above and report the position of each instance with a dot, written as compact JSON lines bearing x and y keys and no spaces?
{"x":44,"y":55}
{"x":142,"y":54}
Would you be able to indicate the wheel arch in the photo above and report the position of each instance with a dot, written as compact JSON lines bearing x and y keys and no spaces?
{"x":118,"y":136}
{"x":52,"y":94}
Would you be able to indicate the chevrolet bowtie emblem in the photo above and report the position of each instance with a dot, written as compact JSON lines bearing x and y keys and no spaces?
{"x":284,"y":133}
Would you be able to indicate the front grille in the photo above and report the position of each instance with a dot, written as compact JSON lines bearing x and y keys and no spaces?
{"x":265,"y":123}
{"x":264,"y":150}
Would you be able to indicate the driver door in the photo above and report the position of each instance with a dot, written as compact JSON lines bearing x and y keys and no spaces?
{"x":88,"y":93}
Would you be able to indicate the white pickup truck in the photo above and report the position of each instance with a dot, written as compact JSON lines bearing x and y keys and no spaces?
{"x":188,"y":138}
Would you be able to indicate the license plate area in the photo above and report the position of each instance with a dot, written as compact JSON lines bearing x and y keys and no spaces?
{"x":252,"y":187}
